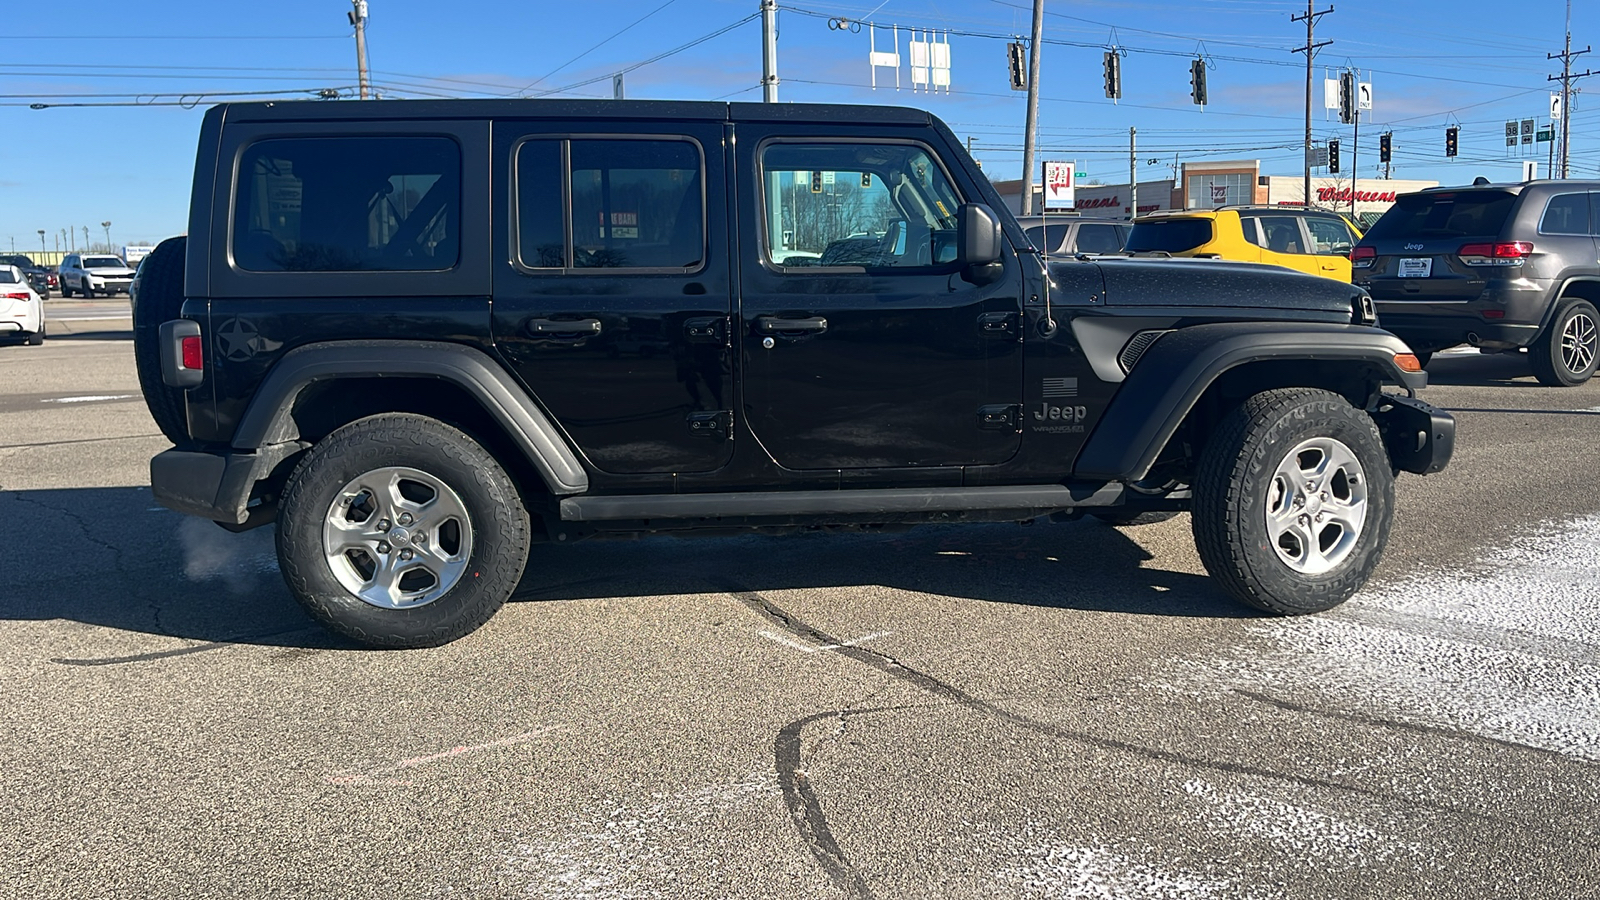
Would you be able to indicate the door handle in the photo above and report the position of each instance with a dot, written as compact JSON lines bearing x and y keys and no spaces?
{"x":568,"y":329}
{"x":775,"y":325}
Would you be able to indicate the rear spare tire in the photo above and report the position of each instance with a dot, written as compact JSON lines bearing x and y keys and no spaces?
{"x":159,"y":298}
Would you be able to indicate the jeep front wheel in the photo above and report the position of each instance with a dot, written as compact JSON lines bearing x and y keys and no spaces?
{"x":1293,"y":501}
{"x":399,"y":531}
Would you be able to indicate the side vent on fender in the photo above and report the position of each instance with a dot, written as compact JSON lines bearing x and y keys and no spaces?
{"x":1136,"y":347}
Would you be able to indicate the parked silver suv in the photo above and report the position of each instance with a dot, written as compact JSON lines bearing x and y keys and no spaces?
{"x":91,"y":273}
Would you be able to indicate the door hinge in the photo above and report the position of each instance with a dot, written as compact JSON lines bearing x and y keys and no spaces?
{"x":1000,"y":417}
{"x":706,"y":330}
{"x":714,"y":424}
{"x":997,"y":324}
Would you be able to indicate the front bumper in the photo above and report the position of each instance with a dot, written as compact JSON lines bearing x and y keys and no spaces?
{"x":1420,"y":437}
{"x":108,"y":284}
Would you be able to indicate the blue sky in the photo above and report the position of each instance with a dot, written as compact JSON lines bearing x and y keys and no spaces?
{"x":1432,"y":63}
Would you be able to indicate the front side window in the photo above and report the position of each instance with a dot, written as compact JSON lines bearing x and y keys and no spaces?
{"x":1282,"y":234}
{"x":345,"y":204}
{"x":1329,"y":237}
{"x":1566,"y":214}
{"x":635,"y":204}
{"x":874,"y":206}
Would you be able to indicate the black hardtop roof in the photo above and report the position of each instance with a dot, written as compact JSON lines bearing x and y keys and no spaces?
{"x":702,"y":110}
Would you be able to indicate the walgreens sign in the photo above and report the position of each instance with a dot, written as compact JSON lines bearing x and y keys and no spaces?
{"x":1345,"y":195}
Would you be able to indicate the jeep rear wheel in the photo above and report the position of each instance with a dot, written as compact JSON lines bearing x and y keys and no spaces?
{"x":1293,"y":501}
{"x":1565,"y":355}
{"x":399,"y":531}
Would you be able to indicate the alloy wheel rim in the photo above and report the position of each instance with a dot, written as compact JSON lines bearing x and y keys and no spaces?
{"x":397,"y":537}
{"x":1579,"y":340}
{"x":1316,"y":506}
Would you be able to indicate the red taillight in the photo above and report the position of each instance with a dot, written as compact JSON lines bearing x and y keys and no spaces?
{"x":1506,"y":253}
{"x":190,"y":354}
{"x":1363,"y":253}
{"x":1507,"y":250}
{"x":16,"y":296}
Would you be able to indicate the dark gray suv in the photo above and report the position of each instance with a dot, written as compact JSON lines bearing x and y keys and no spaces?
{"x":1497,"y":266}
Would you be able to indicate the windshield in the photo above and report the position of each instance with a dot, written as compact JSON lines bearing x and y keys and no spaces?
{"x":1446,"y":214}
{"x":1171,"y":235}
{"x":103,"y":262}
{"x":18,"y":260}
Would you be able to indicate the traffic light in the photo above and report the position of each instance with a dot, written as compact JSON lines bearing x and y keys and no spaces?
{"x":1333,"y":157}
{"x":1017,"y":59}
{"x":1451,"y":135}
{"x":1347,"y":97}
{"x":816,"y":182}
{"x":1384,"y":146}
{"x":1197,"y":81}
{"x":1113,"y":75}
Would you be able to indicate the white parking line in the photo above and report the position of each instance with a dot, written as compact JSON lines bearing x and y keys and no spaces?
{"x":803,"y":648}
{"x":86,"y":398}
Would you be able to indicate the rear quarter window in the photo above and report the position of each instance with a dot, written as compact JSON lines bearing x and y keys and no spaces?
{"x":1445,"y":214}
{"x":343,"y":204}
{"x":1171,"y":235}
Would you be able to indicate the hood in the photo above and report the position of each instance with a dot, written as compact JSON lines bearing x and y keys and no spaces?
{"x":1145,"y":282}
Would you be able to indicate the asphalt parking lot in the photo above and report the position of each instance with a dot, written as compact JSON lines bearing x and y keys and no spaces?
{"x":991,"y":711}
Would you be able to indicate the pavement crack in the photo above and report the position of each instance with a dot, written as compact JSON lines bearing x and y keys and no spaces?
{"x":812,"y":824}
{"x":118,"y":561}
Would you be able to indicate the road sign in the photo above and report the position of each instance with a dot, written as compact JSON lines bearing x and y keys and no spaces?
{"x":1527,"y":131}
{"x":1317,"y":157}
{"x":1364,"y":95}
{"x":1545,"y":135}
{"x":1511,"y":133}
{"x":1059,"y":185}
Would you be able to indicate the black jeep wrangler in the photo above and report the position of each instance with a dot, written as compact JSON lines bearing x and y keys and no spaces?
{"x":420,"y":336}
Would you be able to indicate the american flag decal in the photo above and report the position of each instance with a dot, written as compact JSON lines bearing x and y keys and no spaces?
{"x":1061,"y":387}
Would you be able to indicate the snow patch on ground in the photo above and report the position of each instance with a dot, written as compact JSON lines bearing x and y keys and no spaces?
{"x":1508,"y":650}
{"x":1049,"y":867}
{"x":623,"y":851}
{"x":1291,"y":828}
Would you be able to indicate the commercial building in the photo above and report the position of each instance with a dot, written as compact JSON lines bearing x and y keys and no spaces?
{"x":1204,"y":185}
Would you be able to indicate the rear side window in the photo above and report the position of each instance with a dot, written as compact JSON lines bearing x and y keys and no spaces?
{"x":634,"y":204}
{"x":1171,"y":235}
{"x":1566,"y":214}
{"x":1446,"y":214}
{"x":1048,"y":238}
{"x":343,"y":204}
{"x":1099,"y":239}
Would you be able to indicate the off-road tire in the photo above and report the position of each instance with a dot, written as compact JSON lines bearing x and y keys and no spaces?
{"x":160,"y":299}
{"x":1551,"y":361}
{"x":85,"y":289}
{"x":500,"y":533}
{"x":1148,"y":517}
{"x":1231,"y":497}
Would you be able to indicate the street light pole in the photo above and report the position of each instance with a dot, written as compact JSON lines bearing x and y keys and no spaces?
{"x":107,"y":227}
{"x":42,"y":247}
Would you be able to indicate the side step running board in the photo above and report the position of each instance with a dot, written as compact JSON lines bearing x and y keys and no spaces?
{"x":1041,"y":497}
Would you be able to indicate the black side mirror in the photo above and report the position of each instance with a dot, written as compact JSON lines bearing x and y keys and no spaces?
{"x":978,"y":232}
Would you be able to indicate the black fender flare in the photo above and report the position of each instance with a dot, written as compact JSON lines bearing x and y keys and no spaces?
{"x":1176,"y":370}
{"x":267,"y":421}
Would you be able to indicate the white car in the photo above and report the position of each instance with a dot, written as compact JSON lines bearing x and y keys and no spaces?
{"x":91,"y":273}
{"x":21,"y":310}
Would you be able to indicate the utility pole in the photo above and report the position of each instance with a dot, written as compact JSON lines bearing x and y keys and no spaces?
{"x":769,"y":51}
{"x":1133,"y":174}
{"x":1566,"y":78}
{"x":1030,"y":136}
{"x":358,"y":18}
{"x":1310,"y":50}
